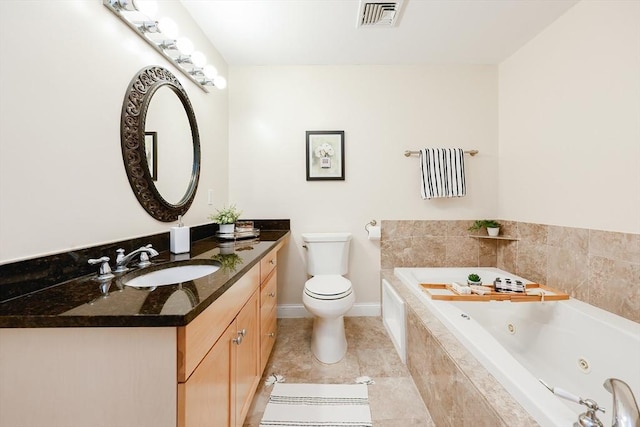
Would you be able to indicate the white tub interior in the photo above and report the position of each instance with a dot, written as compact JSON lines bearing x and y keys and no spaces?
{"x":569,"y":344}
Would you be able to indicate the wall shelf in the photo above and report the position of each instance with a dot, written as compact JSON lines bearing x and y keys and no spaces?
{"x":512,"y":239}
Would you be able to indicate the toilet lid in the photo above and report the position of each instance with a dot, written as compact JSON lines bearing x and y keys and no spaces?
{"x":328,"y":287}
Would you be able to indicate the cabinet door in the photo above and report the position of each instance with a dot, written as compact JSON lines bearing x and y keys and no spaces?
{"x":206,"y":399}
{"x":247,"y":356}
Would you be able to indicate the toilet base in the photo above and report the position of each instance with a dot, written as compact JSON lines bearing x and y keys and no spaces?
{"x":328,"y":339}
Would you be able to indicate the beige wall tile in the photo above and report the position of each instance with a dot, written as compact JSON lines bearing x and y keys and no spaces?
{"x":615,"y":286}
{"x":461,"y":251}
{"x":598,"y":267}
{"x":533,"y":233}
{"x":618,"y":246}
{"x":531,"y":261}
{"x":487,"y":253}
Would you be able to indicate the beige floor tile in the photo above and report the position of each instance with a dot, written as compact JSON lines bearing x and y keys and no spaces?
{"x":394,"y":399}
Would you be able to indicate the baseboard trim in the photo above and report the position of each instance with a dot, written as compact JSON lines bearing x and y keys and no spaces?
{"x":291,"y":311}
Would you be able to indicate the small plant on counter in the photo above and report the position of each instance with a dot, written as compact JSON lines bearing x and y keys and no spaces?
{"x":474,"y":279}
{"x":484,"y":223}
{"x":226,"y":215}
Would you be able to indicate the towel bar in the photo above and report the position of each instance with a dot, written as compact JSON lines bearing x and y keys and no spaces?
{"x":408,"y":153}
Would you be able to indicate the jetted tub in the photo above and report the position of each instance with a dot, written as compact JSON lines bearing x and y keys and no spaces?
{"x":569,"y":344}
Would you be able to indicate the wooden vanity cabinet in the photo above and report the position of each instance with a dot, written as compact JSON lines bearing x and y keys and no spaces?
{"x":200,"y":374}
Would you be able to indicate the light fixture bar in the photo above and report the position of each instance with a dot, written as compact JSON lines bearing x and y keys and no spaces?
{"x":113,"y":6}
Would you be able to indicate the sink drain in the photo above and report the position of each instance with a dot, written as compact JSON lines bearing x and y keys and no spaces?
{"x":511,"y":328}
{"x":583,"y":365}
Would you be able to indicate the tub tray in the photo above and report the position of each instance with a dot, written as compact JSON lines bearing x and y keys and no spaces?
{"x":535,"y":292}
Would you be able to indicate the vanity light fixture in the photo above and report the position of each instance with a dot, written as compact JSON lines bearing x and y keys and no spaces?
{"x":163,"y":35}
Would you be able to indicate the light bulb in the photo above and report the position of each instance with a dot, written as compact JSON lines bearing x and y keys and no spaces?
{"x":210,"y":71}
{"x":220,"y":82}
{"x":168,"y":27}
{"x":185,"y":46}
{"x":146,"y":7}
{"x":198,"y":59}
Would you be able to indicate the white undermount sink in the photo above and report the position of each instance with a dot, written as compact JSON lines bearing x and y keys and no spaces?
{"x":172,"y":275}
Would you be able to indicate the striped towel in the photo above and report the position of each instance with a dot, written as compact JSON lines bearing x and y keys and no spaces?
{"x":442,"y":172}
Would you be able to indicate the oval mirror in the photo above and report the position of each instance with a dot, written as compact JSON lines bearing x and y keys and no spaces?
{"x":160,"y":143}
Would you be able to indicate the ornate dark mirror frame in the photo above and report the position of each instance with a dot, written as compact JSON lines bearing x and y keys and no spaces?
{"x":134,"y":113}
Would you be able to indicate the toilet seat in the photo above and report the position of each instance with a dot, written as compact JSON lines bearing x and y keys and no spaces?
{"x":328,"y":287}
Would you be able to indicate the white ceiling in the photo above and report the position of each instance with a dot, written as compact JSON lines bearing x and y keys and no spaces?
{"x":304,"y":32}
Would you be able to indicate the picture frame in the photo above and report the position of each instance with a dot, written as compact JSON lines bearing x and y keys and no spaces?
{"x":325,"y":155}
{"x":151,"y":148}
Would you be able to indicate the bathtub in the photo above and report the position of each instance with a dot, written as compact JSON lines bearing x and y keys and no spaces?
{"x":569,"y":344}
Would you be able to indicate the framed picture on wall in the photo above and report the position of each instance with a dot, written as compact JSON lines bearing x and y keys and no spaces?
{"x":151,"y":148}
{"x":325,"y":155}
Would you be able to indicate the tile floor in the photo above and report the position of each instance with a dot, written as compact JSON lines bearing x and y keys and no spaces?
{"x":394,"y":399}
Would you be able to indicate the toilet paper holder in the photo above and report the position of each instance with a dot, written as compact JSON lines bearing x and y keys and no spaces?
{"x":371,"y":223}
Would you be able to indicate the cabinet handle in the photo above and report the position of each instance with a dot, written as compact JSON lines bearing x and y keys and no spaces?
{"x":272,"y":294}
{"x":271,"y":335}
{"x":241,"y":334}
{"x":272,"y":261}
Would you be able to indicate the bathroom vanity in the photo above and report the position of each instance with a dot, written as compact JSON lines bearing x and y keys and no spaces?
{"x":188,"y":354}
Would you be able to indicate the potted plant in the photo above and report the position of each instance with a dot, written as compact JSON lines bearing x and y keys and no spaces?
{"x":474,"y":279}
{"x":226,"y":218}
{"x":492,"y":226}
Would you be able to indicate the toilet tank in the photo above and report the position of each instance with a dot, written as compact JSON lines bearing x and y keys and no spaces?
{"x":327,"y":253}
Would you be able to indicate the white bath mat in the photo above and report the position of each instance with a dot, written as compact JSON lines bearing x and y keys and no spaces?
{"x":317,"y":405}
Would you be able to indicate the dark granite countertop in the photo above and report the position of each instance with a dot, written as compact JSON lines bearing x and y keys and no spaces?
{"x":86,"y":302}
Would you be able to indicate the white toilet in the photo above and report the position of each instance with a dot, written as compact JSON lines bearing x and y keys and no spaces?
{"x":328,"y":295}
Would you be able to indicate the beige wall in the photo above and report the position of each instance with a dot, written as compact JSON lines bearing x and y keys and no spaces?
{"x":383,"y":110}
{"x":570,"y":121}
{"x":64,"y":71}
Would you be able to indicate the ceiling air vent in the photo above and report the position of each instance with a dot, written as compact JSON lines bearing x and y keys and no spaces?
{"x":378,"y":13}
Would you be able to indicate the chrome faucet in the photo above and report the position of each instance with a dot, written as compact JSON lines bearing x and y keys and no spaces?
{"x":105,"y":271}
{"x":586,"y":419}
{"x":123,"y":260}
{"x":625,"y":407}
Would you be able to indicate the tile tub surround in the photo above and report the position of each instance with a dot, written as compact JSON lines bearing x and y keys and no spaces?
{"x":393,"y":399}
{"x":601,"y":268}
{"x":457,"y":390}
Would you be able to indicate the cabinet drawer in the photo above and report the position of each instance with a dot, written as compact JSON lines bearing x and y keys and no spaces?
{"x":268,"y":263}
{"x":268,"y":338}
{"x":269,"y":293}
{"x":195,"y":339}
